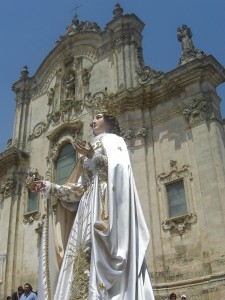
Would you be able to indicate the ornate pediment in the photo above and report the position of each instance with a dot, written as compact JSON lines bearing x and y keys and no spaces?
{"x":71,"y":128}
{"x":174,"y":174}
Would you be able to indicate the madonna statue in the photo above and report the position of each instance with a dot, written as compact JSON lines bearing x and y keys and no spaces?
{"x":104,"y":257}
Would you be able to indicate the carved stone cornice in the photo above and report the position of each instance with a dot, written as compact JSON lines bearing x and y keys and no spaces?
{"x":29,"y":218}
{"x":178,"y":225}
{"x":12,"y":157}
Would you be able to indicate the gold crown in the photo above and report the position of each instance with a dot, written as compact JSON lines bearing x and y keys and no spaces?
{"x":101,"y":103}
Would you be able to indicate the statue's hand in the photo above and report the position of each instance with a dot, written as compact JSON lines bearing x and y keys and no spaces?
{"x":86,"y":151}
{"x":37,"y":186}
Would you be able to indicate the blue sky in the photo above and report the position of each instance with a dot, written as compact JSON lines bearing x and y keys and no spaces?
{"x":29,"y":29}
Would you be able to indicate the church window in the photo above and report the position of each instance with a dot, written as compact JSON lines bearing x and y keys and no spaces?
{"x":65,"y":163}
{"x":176,"y":199}
{"x":32,"y":204}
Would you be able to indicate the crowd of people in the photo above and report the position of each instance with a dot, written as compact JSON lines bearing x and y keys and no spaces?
{"x":173,"y":296}
{"x":28,"y":294}
{"x":24,"y":293}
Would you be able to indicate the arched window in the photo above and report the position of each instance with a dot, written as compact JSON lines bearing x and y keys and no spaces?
{"x":65,"y":163}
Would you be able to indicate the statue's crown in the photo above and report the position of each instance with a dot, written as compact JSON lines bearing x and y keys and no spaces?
{"x":101,"y":103}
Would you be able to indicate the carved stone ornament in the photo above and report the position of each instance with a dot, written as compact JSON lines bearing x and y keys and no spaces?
{"x":86,"y":77}
{"x":7,"y":186}
{"x":29,"y":218}
{"x":51,"y":94}
{"x":44,"y":87}
{"x":2,"y":260}
{"x":32,"y":175}
{"x":131,"y":134}
{"x":24,"y":72}
{"x":148,"y":75}
{"x":84,"y":26}
{"x":11,"y":143}
{"x":189,"y":52}
{"x":140,"y":56}
{"x":120,"y":39}
{"x":39,"y":228}
{"x":178,"y":225}
{"x":174,"y":174}
{"x":69,"y":83}
{"x":196,"y":111}
{"x":118,"y":11}
{"x":38,"y":130}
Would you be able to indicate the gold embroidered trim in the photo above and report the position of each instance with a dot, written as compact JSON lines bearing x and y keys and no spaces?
{"x":81,"y":268}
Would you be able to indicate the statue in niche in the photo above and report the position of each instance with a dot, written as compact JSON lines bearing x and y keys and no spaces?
{"x":85,"y":77}
{"x":184,"y":36}
{"x":51,"y":94}
{"x":70,"y":87}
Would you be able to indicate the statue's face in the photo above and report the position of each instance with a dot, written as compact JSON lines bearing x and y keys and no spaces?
{"x":98,"y":124}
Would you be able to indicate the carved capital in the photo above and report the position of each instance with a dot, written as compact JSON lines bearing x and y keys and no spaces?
{"x":178,"y":225}
{"x":131,"y":134}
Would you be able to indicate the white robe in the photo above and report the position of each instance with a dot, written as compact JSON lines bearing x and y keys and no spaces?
{"x":109,"y":228}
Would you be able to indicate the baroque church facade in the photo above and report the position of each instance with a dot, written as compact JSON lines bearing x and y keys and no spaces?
{"x":175,"y":134}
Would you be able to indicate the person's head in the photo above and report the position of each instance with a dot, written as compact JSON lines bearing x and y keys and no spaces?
{"x":20,"y":290}
{"x":27,"y":288}
{"x":8,"y":298}
{"x":173,"y":296}
{"x":183,"y":297}
{"x":105,"y":122}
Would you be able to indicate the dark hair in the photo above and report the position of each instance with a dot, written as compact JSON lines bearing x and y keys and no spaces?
{"x":31,"y":289}
{"x":8,"y":297}
{"x":111,"y":120}
{"x":20,"y":288}
{"x":172,"y":295}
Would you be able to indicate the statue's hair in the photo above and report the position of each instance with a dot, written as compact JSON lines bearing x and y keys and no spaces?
{"x":112,"y":122}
